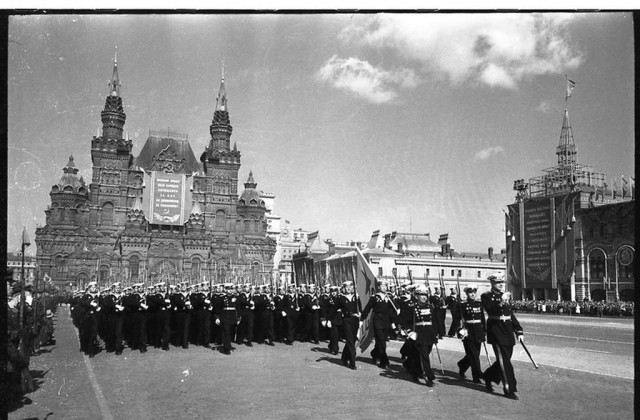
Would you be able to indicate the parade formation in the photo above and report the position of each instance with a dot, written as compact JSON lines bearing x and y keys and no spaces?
{"x":223,"y":315}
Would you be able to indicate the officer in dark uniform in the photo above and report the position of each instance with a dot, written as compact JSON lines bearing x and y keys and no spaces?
{"x":181,"y":306}
{"x":246,"y":305}
{"x":163,"y":316}
{"x":88,"y":306}
{"x":227,"y":316}
{"x":217,"y":296}
{"x":472,"y":333}
{"x":325,"y":332}
{"x":265,"y":308}
{"x":279,"y":321}
{"x":138,"y":308}
{"x":348,"y":304}
{"x":290,"y":309}
{"x":439,"y":312}
{"x":502,"y":328}
{"x":405,"y":304}
{"x":200,"y":315}
{"x":421,"y":338}
{"x":113,"y":308}
{"x":311,"y":314}
{"x":453,"y":305}
{"x":333,"y":318}
{"x":384,"y":315}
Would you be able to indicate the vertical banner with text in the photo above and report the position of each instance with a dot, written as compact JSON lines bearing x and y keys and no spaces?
{"x":168,"y":199}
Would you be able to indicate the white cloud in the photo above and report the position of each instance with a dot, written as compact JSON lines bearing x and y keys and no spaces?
{"x":544,"y":107}
{"x":494,"y":49}
{"x":485,"y":154}
{"x":363,"y":79}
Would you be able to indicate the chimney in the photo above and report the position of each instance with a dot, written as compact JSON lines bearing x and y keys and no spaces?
{"x":490,"y":252}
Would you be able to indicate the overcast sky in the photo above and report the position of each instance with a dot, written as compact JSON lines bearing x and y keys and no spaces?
{"x":356,"y":122}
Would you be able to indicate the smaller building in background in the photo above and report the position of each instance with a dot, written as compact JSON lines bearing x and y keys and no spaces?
{"x":401,"y":258}
{"x":14,"y":261}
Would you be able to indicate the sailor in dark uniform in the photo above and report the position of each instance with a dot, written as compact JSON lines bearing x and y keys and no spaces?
{"x":348,"y":304}
{"x":421,"y":338}
{"x":502,"y":328}
{"x":181,"y":306}
{"x":333,"y":318}
{"x":472,"y":333}
{"x":113,"y":307}
{"x":89,"y":308}
{"x":311,"y":314}
{"x":453,"y":305}
{"x":290,"y":306}
{"x":384,"y":315}
{"x":439,"y":312}
{"x":163,"y":316}
{"x":246,"y":306}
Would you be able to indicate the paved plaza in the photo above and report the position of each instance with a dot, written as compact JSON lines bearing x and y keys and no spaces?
{"x":590,"y":376}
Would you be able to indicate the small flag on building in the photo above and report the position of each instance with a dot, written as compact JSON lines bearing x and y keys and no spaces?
{"x":570,"y":85}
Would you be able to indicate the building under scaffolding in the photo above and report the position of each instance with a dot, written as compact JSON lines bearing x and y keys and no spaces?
{"x":569,"y":233}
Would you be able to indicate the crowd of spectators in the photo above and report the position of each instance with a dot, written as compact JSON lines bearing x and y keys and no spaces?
{"x":578,"y":308}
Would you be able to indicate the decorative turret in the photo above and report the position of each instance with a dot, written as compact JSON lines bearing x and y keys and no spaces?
{"x":251,"y":196}
{"x":68,"y":197}
{"x":219,"y":148}
{"x":113,"y":116}
{"x":70,"y":182}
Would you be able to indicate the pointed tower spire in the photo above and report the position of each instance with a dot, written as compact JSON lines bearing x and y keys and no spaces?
{"x":114,"y":85}
{"x":221,"y":99}
{"x":566,"y":149}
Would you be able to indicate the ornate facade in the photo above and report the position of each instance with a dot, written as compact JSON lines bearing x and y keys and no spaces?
{"x":107,"y":230}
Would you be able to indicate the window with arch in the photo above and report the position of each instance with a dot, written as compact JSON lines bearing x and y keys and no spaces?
{"x":107,"y":214}
{"x":134,"y":267}
{"x":195,"y":269}
{"x":379,"y":271}
{"x":221,"y":219}
{"x":103,"y":274}
{"x":61,"y":266}
{"x":596,"y":265}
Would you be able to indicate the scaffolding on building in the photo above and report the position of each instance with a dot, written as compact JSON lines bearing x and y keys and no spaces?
{"x":568,"y":176}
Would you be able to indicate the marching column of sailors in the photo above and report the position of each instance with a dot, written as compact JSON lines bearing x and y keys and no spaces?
{"x":184,"y":314}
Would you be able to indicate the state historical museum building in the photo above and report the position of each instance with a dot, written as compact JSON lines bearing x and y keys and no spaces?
{"x":163,"y":215}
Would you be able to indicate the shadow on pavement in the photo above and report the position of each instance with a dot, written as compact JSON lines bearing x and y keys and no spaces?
{"x":15,"y":401}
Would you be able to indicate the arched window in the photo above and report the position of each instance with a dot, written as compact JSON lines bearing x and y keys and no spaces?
{"x":221,"y":220}
{"x":596,"y":265}
{"x":103,"y":275}
{"x":107,"y":214}
{"x":134,"y":267}
{"x":195,"y":269}
{"x":61,"y":266}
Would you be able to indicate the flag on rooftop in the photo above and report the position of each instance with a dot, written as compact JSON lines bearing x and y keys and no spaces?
{"x":570,"y":85}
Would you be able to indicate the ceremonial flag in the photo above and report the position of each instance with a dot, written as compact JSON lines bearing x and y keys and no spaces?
{"x":365,"y":281}
{"x":570,"y":85}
